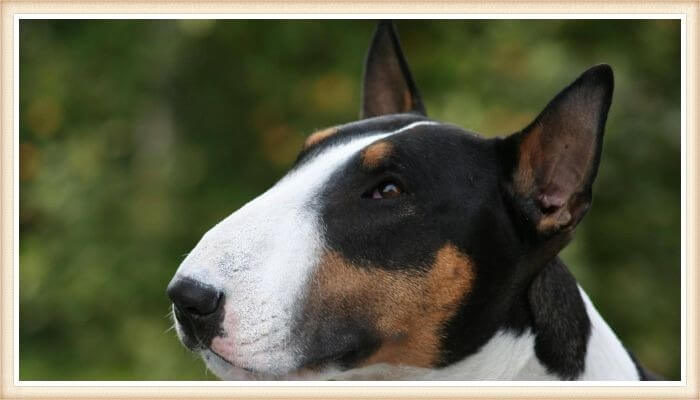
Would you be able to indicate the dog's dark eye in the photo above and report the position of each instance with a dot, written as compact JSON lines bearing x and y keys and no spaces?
{"x":386,"y":190}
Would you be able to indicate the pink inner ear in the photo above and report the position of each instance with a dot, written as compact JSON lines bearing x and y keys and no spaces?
{"x":556,"y":200}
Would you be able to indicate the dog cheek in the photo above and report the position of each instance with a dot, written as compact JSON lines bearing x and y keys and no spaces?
{"x":419,"y":308}
{"x":407,"y":308}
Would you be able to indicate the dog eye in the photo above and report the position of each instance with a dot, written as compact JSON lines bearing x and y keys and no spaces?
{"x":386,"y":190}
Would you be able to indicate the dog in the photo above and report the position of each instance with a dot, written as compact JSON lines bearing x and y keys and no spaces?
{"x":402,"y":248}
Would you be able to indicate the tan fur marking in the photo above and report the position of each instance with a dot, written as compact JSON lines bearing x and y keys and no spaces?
{"x":407,"y":101}
{"x":529,"y":152}
{"x":319,"y":136}
{"x":408,"y":308}
{"x":376,"y":153}
{"x":554,"y":221}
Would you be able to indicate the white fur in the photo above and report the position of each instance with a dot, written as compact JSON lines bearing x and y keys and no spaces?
{"x":504,"y":357}
{"x":261,"y":257}
{"x":512,"y":358}
{"x":606,"y":358}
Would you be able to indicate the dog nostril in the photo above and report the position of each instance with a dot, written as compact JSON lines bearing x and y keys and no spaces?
{"x":194,"y":297}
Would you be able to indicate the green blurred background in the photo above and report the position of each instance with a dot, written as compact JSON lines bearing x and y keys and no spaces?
{"x":138,"y":136}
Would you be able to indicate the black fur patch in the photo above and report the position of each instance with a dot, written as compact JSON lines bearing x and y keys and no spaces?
{"x":333,"y":339}
{"x":559,"y":321}
{"x":437,"y":202}
{"x":452,"y":182}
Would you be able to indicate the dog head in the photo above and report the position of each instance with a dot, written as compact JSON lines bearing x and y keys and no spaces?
{"x":393,"y":240}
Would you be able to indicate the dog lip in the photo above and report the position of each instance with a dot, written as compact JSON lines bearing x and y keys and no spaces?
{"x":222,"y":358}
{"x":313,"y":367}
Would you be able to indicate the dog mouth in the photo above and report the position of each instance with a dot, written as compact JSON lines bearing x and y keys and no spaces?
{"x":313,"y":369}
{"x":192,"y":341}
{"x":247,"y":373}
{"x":221,"y":359}
{"x":307,"y":367}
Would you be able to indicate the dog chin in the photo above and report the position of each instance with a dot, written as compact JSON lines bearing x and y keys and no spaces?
{"x":225,"y":370}
{"x":377,"y":372}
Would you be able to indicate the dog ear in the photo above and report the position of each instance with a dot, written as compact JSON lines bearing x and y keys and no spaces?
{"x":557,"y":155}
{"x":388,"y":87}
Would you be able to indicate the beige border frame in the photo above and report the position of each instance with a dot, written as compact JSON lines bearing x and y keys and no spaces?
{"x":8,"y":389}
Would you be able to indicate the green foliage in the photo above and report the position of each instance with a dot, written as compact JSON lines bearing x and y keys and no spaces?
{"x":137,"y":136}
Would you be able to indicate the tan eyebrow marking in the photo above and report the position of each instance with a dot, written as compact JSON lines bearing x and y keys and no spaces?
{"x":375,"y":153}
{"x":319,"y":136}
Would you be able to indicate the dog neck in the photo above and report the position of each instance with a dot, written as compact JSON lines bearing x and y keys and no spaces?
{"x":506,"y":356}
{"x":511,"y":357}
{"x":520,"y":355}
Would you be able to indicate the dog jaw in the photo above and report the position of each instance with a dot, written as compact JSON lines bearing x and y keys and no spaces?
{"x":260,"y":258}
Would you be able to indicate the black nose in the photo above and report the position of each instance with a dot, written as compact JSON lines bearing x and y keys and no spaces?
{"x":194,"y":297}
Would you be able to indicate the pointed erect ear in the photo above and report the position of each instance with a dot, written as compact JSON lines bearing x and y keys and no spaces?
{"x":388,"y":87}
{"x":556,"y":156}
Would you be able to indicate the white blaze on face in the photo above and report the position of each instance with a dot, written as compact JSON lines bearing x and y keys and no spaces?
{"x":261,"y":256}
